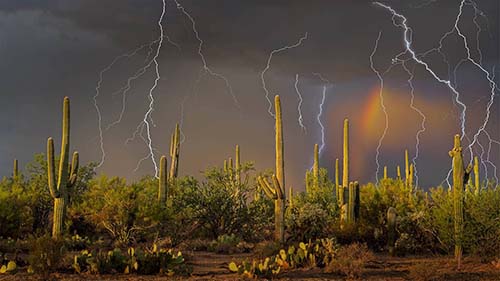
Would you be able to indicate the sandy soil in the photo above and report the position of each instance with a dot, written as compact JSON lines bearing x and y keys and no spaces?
{"x":210,"y":266}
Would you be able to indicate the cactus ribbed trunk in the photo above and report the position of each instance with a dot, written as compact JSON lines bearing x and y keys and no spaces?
{"x":385,"y":172}
{"x":398,"y":172}
{"x":58,"y":217}
{"x":280,"y":173}
{"x":407,"y":168}
{"x":174,"y":153}
{"x":162,"y":181}
{"x":345,"y":172}
{"x":290,"y":197}
{"x":411,"y":172}
{"x":476,"y":176}
{"x":66,"y":173}
{"x":316,"y":168}
{"x":337,"y":177}
{"x":15,"y":170}
{"x":237,"y":166}
{"x":460,"y":177}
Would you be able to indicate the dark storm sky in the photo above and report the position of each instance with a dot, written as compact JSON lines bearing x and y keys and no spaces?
{"x":50,"y":49}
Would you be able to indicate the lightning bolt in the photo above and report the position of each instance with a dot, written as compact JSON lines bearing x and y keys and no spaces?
{"x":268,"y":65}
{"x":320,"y":111}
{"x":98,"y":92}
{"x":408,"y":43}
{"x":148,"y":113}
{"x":422,"y":124}
{"x":299,"y":107}
{"x":206,"y":68}
{"x":382,"y":104}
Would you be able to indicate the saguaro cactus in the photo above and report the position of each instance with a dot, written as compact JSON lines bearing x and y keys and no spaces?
{"x":276,"y":189}
{"x":398,"y":172}
{"x":66,"y":174}
{"x":316,"y":168}
{"x":460,"y":177}
{"x":345,"y":172}
{"x":407,"y":167}
{"x":337,"y":177}
{"x":411,"y":174}
{"x":15,"y":170}
{"x":353,"y":203}
{"x":162,"y":181}
{"x":237,"y":166}
{"x":476,"y":175}
{"x":385,"y":172}
{"x":391,"y":229}
{"x":175,"y":145}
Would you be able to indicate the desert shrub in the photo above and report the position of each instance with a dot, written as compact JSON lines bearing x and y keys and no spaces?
{"x":482,"y":221}
{"x":260,"y":226}
{"x":351,"y":260}
{"x":15,"y":215}
{"x":120,"y":209}
{"x":218,"y":206}
{"x":414,"y":229}
{"x":46,"y":254}
{"x":307,"y":221}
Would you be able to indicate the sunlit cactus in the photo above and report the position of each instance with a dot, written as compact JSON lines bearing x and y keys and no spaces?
{"x":276,"y":189}
{"x":316,"y":168}
{"x":460,"y":177}
{"x":15,"y":170}
{"x":398,"y":172}
{"x":411,"y":175}
{"x":337,"y":177}
{"x":476,"y":176}
{"x":385,"y":172}
{"x":345,"y":171}
{"x":391,"y":229}
{"x":353,"y":203}
{"x":163,"y":181}
{"x":237,"y":165}
{"x":407,"y":168}
{"x":175,"y":145}
{"x":66,"y":173}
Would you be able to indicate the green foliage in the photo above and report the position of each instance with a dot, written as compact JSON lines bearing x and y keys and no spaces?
{"x":117,"y":207}
{"x":481,"y":225}
{"x":219,"y":205}
{"x":413,"y":221}
{"x":154,"y":261}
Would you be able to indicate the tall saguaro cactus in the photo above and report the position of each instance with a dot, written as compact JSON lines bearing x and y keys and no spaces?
{"x":237,"y":166}
{"x":316,"y":168}
{"x":460,"y":177}
{"x":175,"y":145}
{"x":345,"y":173}
{"x":476,"y":175}
{"x":15,"y":170}
{"x":66,"y":173}
{"x":162,"y":181}
{"x":337,"y":178}
{"x":407,"y":167}
{"x":353,"y":203}
{"x":276,"y":189}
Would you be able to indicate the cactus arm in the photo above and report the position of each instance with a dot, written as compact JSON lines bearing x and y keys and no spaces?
{"x":74,"y":169}
{"x":162,"y":181}
{"x":280,"y":193}
{"x":51,"y":168}
{"x":266,"y":187}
